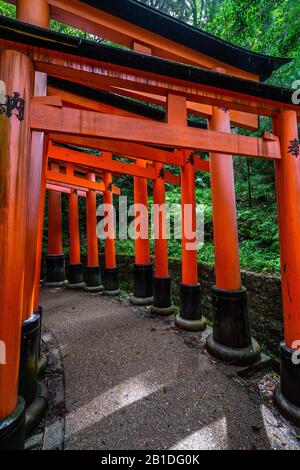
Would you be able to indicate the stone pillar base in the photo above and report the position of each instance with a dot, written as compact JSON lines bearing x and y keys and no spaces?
{"x":231,"y":340}
{"x":162,"y":297}
{"x":287,"y":395}
{"x":92,"y":277}
{"x":190,"y":317}
{"x":111,"y":282}
{"x":143,"y":285}
{"x":12,"y":429}
{"x":55,"y":271}
{"x":29,"y":358}
{"x":75,"y":277}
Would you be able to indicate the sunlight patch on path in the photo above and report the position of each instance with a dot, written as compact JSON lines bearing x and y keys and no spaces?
{"x":121,"y":396}
{"x":211,"y":437}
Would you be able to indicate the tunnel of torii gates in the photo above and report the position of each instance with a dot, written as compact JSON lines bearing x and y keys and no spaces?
{"x":63,"y":96}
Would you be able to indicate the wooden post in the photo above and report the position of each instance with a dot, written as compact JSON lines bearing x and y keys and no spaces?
{"x":111,"y":282}
{"x":93,"y":271}
{"x":190,"y":316}
{"x":40,"y":234}
{"x":37,"y":13}
{"x":287,"y":396}
{"x":75,"y":269}
{"x":162,"y":282}
{"x":16,"y":71}
{"x":55,"y":269}
{"x":231,"y":339}
{"x":143,"y":268}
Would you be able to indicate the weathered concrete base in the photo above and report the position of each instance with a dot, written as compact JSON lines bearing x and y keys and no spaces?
{"x":287,"y":409}
{"x":79,"y":286}
{"x":55,"y":284}
{"x":265,"y":363}
{"x":12,"y":429}
{"x":42,"y":364}
{"x":163,"y":312}
{"x":114,"y":293}
{"x":36,"y":411}
{"x":235,"y":356}
{"x":141,"y":302}
{"x":94,"y":290}
{"x":191,"y":325}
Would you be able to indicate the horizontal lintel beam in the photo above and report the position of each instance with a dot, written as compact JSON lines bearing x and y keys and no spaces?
{"x":88,"y":123}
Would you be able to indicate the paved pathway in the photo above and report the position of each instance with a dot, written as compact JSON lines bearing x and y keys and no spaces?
{"x":134,"y":382}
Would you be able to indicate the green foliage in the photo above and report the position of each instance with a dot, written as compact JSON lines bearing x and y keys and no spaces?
{"x":266,"y":26}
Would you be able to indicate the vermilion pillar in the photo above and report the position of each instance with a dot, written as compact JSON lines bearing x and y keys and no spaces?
{"x":190,"y":316}
{"x":55,"y":267}
{"x":287,"y":396}
{"x":34,"y":12}
{"x":111,"y":283}
{"x":231,"y":339}
{"x":75,"y":269}
{"x":143,"y":268}
{"x":162,"y":282}
{"x":93,"y":271}
{"x":16,"y":71}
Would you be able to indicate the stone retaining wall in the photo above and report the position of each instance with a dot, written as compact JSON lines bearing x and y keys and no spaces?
{"x":264,"y":293}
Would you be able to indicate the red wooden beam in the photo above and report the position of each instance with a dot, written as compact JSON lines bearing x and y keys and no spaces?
{"x":88,"y":123}
{"x":77,"y":182}
{"x":85,"y":160}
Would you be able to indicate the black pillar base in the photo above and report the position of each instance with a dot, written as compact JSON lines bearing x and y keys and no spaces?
{"x":190,"y":317}
{"x":231,"y":340}
{"x":12,"y":429}
{"x":55,"y":271}
{"x":92,"y":277}
{"x":37,"y":410}
{"x":162,"y":297}
{"x":287,"y":396}
{"x":75,"y":277}
{"x":29,"y":358}
{"x":111,"y":281}
{"x":143,"y":285}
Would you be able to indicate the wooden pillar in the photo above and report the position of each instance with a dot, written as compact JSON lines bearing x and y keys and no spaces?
{"x":55,"y":261}
{"x":40,"y":233}
{"x":75,"y":269}
{"x":143,"y":268}
{"x":16,"y":71}
{"x":190,"y":316}
{"x":37,"y":13}
{"x":231,"y":339}
{"x":162,"y":282}
{"x":93,"y":271}
{"x":287,"y":396}
{"x":111,"y":282}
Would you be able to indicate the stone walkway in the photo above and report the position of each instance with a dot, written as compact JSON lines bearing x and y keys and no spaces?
{"x":134,"y":381}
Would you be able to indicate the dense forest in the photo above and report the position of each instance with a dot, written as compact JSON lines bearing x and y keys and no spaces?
{"x":267,"y":26}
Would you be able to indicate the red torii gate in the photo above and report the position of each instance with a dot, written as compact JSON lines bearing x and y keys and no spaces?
{"x":27,"y":52}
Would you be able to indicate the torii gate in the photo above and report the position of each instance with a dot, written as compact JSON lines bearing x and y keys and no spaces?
{"x":226,"y":90}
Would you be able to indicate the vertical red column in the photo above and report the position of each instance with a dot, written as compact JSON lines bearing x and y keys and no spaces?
{"x":75,"y":269}
{"x":190,"y":316}
{"x":162,"y":282}
{"x":143,"y":268}
{"x":93,"y":271}
{"x":16,"y":74}
{"x":231,"y":339}
{"x":287,"y":396}
{"x":55,"y":261}
{"x":34,"y":12}
{"x":111,"y":282}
